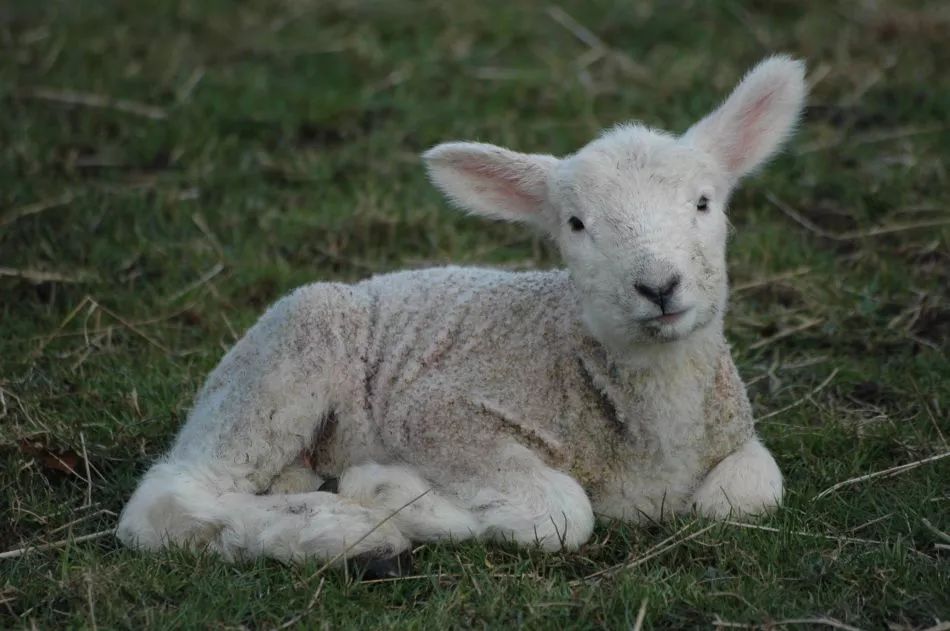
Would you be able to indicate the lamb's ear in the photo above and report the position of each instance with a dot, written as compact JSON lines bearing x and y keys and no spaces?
{"x":756,"y":119}
{"x":492,"y":181}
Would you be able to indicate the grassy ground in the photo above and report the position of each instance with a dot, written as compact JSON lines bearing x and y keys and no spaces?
{"x":168,"y":170}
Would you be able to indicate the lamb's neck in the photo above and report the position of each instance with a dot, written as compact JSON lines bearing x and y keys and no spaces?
{"x":664,"y":384}
{"x":697,"y":351}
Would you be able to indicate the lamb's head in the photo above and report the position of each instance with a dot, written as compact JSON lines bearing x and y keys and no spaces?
{"x":638,"y":214}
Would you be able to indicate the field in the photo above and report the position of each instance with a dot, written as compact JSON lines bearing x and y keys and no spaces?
{"x":169,"y":168}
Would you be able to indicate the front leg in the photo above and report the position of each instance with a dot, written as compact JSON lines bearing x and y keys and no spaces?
{"x":747,"y":481}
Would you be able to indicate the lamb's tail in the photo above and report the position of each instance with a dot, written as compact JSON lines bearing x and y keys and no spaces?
{"x":180,"y":504}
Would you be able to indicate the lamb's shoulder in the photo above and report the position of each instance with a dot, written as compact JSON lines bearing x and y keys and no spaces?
{"x":463,"y":358}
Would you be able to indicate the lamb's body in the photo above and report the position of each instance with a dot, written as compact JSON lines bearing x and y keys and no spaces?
{"x":446,"y":373}
{"x":455,"y":364}
{"x":459,"y":402}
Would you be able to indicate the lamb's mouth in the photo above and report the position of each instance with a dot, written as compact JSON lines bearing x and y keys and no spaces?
{"x":666,"y":319}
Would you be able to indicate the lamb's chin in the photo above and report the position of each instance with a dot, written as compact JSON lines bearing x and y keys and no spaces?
{"x":638,"y":345}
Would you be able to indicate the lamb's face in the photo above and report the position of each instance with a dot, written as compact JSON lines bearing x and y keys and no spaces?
{"x":638,"y":214}
{"x":642,"y":228}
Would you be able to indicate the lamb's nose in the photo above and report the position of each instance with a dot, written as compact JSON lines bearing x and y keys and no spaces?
{"x":659,"y":294}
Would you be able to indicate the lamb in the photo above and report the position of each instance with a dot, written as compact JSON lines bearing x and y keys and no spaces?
{"x":452,"y":403}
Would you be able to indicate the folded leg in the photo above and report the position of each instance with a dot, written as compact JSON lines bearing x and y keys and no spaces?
{"x":747,"y":481}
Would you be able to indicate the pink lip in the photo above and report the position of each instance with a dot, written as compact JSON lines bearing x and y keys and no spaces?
{"x":667,"y":318}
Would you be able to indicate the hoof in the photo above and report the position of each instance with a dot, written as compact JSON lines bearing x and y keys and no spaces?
{"x":369,"y":568}
{"x":330,"y":485}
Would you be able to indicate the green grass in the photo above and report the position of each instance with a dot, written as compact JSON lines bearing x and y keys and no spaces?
{"x":288,"y":153}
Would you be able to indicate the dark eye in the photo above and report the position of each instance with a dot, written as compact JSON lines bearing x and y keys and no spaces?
{"x":576,"y":224}
{"x":703,"y":204}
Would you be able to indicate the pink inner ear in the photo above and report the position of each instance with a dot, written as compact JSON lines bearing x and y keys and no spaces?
{"x":749,"y":131}
{"x":507,"y":185}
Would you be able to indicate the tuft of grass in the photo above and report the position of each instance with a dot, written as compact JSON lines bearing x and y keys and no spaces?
{"x":169,"y":168}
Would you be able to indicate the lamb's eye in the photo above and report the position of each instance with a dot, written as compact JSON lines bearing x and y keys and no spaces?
{"x":576,"y":224}
{"x":703,"y":204}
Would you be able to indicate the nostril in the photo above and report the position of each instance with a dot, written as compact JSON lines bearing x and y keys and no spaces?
{"x":647,"y":292}
{"x":670,"y":286}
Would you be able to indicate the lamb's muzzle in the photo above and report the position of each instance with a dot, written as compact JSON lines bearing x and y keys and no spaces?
{"x":451,"y":403}
{"x":660,"y":295}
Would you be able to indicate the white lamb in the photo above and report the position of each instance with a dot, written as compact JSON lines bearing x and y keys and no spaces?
{"x":455,"y":403}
